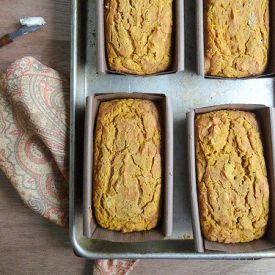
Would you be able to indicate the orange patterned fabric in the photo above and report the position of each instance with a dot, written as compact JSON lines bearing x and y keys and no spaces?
{"x":34,"y":136}
{"x":114,"y":267}
{"x":34,"y":112}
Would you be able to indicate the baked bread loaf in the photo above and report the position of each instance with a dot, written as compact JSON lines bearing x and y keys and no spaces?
{"x":138,"y":35}
{"x":231,"y":176}
{"x":127,"y":165}
{"x":236,"y":37}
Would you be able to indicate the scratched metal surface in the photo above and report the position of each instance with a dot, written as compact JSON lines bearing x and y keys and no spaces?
{"x":187,"y":91}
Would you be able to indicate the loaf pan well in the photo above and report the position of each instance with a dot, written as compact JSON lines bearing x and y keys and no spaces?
{"x":266,"y":117}
{"x":177,"y":45}
{"x":270,"y":70}
{"x":91,"y":228}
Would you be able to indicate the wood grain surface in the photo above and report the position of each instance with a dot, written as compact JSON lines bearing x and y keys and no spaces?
{"x":50,"y":45}
{"x":28,"y":243}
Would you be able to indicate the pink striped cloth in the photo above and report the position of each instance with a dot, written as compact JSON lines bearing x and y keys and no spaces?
{"x":34,"y":134}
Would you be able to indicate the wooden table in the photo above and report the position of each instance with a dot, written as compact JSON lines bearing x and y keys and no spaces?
{"x":28,"y":243}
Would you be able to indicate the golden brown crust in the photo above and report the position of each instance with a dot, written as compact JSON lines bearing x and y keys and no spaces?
{"x":231,"y":176}
{"x":127,"y":165}
{"x":236,"y":37}
{"x":138,"y":35}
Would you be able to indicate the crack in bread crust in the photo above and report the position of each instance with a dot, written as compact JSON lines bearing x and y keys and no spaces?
{"x":232,"y":178}
{"x":236,"y":37}
{"x":138,"y":35}
{"x":127,"y":165}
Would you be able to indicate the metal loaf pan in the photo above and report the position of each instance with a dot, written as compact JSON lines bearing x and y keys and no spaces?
{"x":265,"y":115}
{"x":165,"y":227}
{"x":270,"y":70}
{"x":177,"y":37}
{"x":186,"y":91}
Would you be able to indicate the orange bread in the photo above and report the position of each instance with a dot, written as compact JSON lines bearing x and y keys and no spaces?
{"x":127,"y":165}
{"x":138,"y":35}
{"x":236,"y":37}
{"x":231,"y":176}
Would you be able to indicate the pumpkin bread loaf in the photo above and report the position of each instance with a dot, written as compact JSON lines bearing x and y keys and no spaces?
{"x":231,"y":175}
{"x":138,"y":35}
{"x":236,"y":37}
{"x":127,"y":165}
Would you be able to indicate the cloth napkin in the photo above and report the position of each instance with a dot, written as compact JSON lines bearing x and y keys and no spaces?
{"x":34,"y":136}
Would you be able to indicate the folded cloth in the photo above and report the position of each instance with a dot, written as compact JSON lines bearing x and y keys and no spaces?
{"x":34,"y":136}
{"x":116,"y":267}
{"x":34,"y":125}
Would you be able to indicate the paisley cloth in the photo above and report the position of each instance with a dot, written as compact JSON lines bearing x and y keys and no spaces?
{"x":34,"y":114}
{"x":34,"y":138}
{"x":114,"y":267}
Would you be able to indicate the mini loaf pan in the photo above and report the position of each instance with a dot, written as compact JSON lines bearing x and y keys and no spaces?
{"x":270,"y":70}
{"x":177,"y":41}
{"x":165,"y":228}
{"x":266,"y":117}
